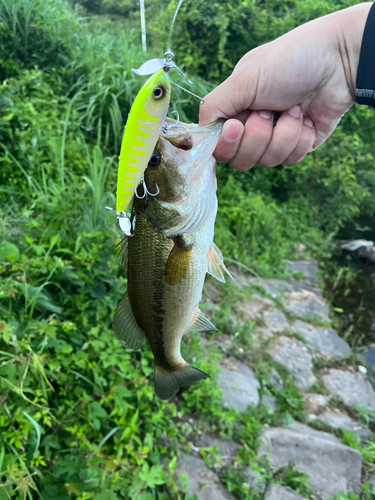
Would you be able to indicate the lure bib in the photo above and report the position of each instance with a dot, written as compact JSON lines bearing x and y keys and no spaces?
{"x":144,"y":124}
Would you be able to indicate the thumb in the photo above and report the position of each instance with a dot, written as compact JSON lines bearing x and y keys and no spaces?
{"x":234,"y":95}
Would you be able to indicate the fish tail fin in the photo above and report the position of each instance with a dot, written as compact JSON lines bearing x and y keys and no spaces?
{"x":168,"y":383}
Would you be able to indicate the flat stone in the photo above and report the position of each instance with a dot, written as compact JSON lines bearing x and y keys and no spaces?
{"x":277,"y":492}
{"x":201,"y":481}
{"x":336,"y":420}
{"x":309,"y":431}
{"x":270,"y":402}
{"x":332,"y":467}
{"x":324,"y":340}
{"x":273,"y":287}
{"x":225,"y":447}
{"x":307,"y":268}
{"x":238,"y":385}
{"x":252,"y":308}
{"x":315,"y":402}
{"x":306,"y":304}
{"x":275,"y":320}
{"x":354,"y":245}
{"x":300,"y":286}
{"x":253,"y":479}
{"x":296,"y":358}
{"x":351,"y":388}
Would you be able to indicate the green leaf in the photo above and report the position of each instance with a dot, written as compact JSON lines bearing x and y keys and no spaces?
{"x":8,"y":251}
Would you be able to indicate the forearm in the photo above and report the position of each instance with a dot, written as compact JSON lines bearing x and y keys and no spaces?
{"x":349,"y":24}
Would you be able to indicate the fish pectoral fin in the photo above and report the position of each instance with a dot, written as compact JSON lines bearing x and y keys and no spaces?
{"x":123,"y":253}
{"x":215,"y":263}
{"x":167,"y":383}
{"x":202,"y":324}
{"x":178,"y":263}
{"x":126,"y":327}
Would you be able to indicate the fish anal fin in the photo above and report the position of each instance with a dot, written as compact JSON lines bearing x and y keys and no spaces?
{"x":126,"y":327}
{"x":215,"y":263}
{"x":202,"y":324}
{"x":167,"y":383}
{"x":178,"y":264}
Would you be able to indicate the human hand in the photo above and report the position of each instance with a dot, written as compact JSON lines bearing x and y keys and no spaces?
{"x":308,"y":75}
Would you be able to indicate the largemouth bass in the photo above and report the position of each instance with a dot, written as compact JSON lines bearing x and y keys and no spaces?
{"x":170,"y":252}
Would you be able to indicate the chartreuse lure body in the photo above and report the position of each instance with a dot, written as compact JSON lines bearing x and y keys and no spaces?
{"x":142,"y":130}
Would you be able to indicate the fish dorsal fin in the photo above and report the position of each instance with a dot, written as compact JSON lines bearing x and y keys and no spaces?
{"x":123,"y":253}
{"x":215,"y":263}
{"x":202,"y":324}
{"x":126,"y":327}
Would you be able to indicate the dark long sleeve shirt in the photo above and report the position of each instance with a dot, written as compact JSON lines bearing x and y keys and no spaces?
{"x":365,"y":91}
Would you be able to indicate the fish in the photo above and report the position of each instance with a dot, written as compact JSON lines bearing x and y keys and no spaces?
{"x":170,"y":252}
{"x":145,"y":121}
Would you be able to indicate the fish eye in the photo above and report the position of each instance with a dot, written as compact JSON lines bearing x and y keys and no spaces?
{"x":158,"y":92}
{"x":155,"y":159}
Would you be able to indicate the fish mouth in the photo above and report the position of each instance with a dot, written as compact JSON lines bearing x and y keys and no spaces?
{"x":187,"y":136}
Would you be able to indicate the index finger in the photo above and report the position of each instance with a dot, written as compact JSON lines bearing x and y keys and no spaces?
{"x":234,"y":95}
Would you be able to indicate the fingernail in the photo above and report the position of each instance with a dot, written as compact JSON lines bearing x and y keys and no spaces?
{"x":232,"y":131}
{"x":265,"y":114}
{"x":308,"y":122}
{"x":296,"y":111}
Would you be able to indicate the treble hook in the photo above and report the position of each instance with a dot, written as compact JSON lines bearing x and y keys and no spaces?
{"x":167,"y":127}
{"x":146,"y":192}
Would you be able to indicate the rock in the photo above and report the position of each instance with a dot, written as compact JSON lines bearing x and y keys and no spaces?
{"x":367,"y":253}
{"x":238,"y":385}
{"x":295,"y":356}
{"x":372,"y":483}
{"x":370,"y":362}
{"x":201,"y":481}
{"x":239,"y":279}
{"x":225,"y":447}
{"x":275,"y":320}
{"x":324,"y":340}
{"x":270,"y":402}
{"x":354,"y":245}
{"x":351,"y":388}
{"x":336,"y":420}
{"x":273,"y":287}
{"x":252,"y":309}
{"x":253,"y":479}
{"x":277,"y":492}
{"x":307,"y":268}
{"x":300,"y":286}
{"x":306,"y":304}
{"x":315,"y":402}
{"x":276,"y":379}
{"x":332,"y":467}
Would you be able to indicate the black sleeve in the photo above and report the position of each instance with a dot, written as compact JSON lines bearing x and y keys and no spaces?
{"x":365,"y":91}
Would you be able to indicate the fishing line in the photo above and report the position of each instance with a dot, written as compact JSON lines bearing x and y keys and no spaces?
{"x":173,"y":21}
{"x":201,"y":100}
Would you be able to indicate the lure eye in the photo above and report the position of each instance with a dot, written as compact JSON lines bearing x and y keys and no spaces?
{"x":158,"y":92}
{"x":155,"y":159}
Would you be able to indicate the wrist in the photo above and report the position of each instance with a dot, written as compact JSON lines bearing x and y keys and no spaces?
{"x":350,"y":25}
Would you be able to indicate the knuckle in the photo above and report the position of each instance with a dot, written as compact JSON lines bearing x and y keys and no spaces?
{"x":241,"y":165}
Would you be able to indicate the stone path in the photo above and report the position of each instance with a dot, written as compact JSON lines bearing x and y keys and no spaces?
{"x":292,"y":321}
